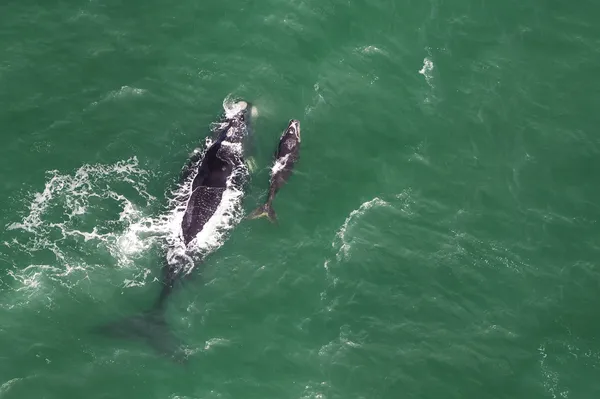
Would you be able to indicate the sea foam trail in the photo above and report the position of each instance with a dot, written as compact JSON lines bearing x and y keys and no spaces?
{"x":79,"y":207}
{"x":70,"y":226}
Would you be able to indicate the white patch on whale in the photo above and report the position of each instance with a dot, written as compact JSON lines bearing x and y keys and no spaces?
{"x":279,"y":164}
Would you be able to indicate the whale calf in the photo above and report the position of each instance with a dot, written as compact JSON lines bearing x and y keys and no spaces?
{"x":210,"y":179}
{"x":286,"y":156}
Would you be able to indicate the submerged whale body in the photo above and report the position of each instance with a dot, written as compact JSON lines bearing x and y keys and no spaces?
{"x":209,"y":180}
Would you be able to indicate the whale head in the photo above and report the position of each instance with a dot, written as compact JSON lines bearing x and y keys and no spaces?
{"x":236,"y":120}
{"x":293,"y":129}
{"x":240,"y":110}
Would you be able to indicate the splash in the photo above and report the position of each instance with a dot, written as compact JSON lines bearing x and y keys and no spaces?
{"x":551,"y":377}
{"x":350,"y":220}
{"x":315,"y":391}
{"x":317,"y":102}
{"x":123,"y":92}
{"x":71,"y":206}
{"x":74,"y":192}
{"x":371,"y":50}
{"x":215,"y":342}
{"x":233,"y":106}
{"x":344,"y":244}
{"x":5,"y":387}
{"x":426,"y":71}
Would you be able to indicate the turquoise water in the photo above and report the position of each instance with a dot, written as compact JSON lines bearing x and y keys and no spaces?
{"x":439,"y":238}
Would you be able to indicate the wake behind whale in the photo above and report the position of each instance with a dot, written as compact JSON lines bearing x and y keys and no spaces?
{"x":205,"y":207}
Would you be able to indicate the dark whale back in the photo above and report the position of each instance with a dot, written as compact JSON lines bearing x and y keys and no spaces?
{"x":215,"y":172}
{"x":286,"y":155}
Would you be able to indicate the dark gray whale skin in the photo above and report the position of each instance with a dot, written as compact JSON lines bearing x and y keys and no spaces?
{"x":216,"y":168}
{"x":286,"y":156}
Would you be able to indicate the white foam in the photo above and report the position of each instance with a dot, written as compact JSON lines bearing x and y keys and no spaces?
{"x":341,"y":234}
{"x":314,"y":391}
{"x":371,"y":50}
{"x":139,"y":280}
{"x":233,"y":107}
{"x":73,"y":192}
{"x":68,"y":199}
{"x":215,"y":342}
{"x":340,"y":345}
{"x":8,"y":384}
{"x":36,"y":283}
{"x":55,"y":216}
{"x":123,"y":92}
{"x":551,"y":378}
{"x":426,"y":71}
{"x":317,"y":102}
{"x":29,"y":281}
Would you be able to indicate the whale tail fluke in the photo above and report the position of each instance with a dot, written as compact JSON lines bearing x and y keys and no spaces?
{"x":150,"y":326}
{"x":265,"y":210}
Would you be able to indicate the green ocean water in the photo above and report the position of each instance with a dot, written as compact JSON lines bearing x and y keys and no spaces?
{"x":438,"y":239}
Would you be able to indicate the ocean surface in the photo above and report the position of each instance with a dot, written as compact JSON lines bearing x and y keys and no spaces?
{"x":439,"y":237}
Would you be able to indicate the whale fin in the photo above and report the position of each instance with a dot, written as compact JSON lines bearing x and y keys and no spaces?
{"x":151,"y":327}
{"x":251,"y":164}
{"x":264,"y":211}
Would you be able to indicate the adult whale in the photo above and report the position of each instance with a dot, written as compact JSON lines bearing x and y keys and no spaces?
{"x":212,"y":184}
